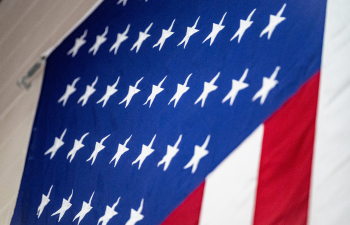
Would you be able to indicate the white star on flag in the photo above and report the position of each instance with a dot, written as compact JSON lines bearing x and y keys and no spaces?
{"x":155,"y":90}
{"x":243,"y":26}
{"x":109,"y":92}
{"x":181,"y":89}
{"x":146,"y":151}
{"x":171,"y":152}
{"x":88,"y":92}
{"x":190,"y":31}
{"x":65,"y":206}
{"x":274,"y":21}
{"x":208,"y":87}
{"x":69,"y":90}
{"x":135,"y":216}
{"x":98,"y":147}
{"x":109,"y":213}
{"x":100,"y":39}
{"x":122,"y":1}
{"x":236,"y":87}
{"x":77,"y":145}
{"x":268,"y":84}
{"x":45,"y":199}
{"x":78,"y":43}
{"x":132,"y":91}
{"x":165,"y":35}
{"x":121,"y":150}
{"x":216,"y":29}
{"x":121,"y":37}
{"x":142,"y":37}
{"x":57,"y":144}
{"x":199,"y":153}
{"x":84,"y":209}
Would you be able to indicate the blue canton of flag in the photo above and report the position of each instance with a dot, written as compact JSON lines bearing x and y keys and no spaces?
{"x":144,"y":99}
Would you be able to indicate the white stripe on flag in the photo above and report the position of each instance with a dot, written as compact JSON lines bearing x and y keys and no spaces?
{"x":330,"y":183}
{"x":229,"y":193}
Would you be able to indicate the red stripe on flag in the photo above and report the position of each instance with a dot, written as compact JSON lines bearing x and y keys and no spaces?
{"x":188,"y":212}
{"x":286,"y":157}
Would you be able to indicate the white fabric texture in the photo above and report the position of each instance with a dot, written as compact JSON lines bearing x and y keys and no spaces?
{"x":330,"y":183}
{"x":236,"y":175}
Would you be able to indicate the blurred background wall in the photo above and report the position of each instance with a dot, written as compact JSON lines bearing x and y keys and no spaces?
{"x":27,"y":29}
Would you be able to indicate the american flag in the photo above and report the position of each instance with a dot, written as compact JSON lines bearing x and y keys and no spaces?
{"x":178,"y":112}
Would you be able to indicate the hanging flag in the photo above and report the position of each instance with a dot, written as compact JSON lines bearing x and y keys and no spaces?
{"x":178,"y":112}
